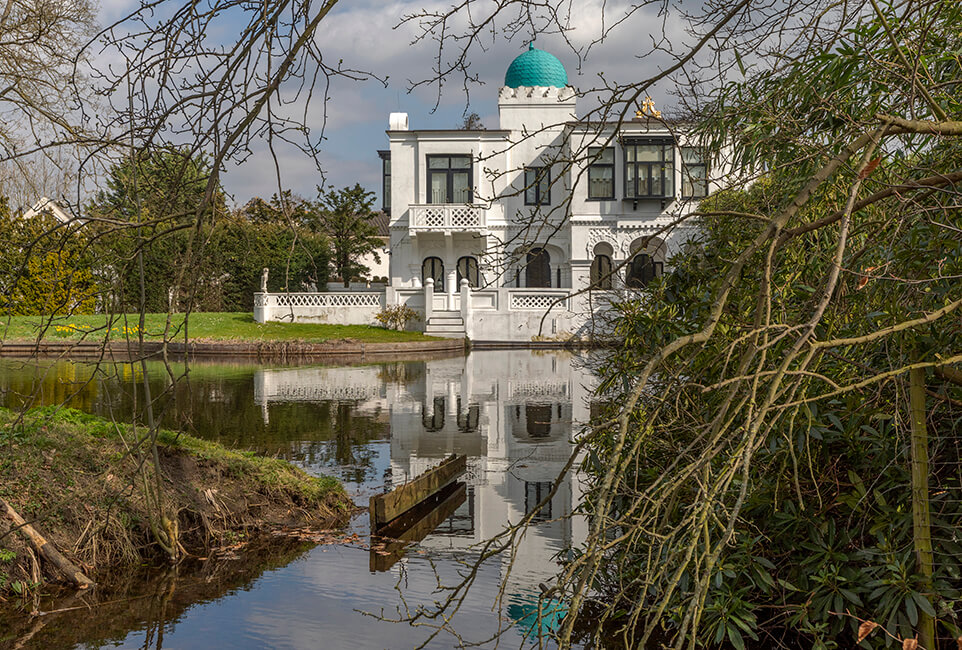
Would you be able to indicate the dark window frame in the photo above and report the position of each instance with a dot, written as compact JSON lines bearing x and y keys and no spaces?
{"x":449,"y":172}
{"x":665,"y":167}
{"x":594,"y":164}
{"x":385,"y":181}
{"x":433,"y":275}
{"x":534,"y":492}
{"x":541,"y":181}
{"x":687,"y":179}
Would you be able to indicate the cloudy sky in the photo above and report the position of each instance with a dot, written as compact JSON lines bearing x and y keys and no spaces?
{"x":372,"y":35}
{"x":366,"y":35}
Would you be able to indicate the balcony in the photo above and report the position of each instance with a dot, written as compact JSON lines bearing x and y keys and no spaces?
{"x":447,"y":218}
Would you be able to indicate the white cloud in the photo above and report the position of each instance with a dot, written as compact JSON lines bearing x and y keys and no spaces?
{"x":366,"y":35}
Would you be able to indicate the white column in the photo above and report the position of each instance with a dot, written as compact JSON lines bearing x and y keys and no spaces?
{"x":451,"y":277}
{"x":466,"y":305}
{"x":428,"y":299}
{"x":262,"y":307}
{"x":452,"y":400}
{"x":465,"y":300}
{"x":451,"y":281}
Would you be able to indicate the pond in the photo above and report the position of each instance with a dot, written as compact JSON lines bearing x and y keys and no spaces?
{"x":513,"y":413}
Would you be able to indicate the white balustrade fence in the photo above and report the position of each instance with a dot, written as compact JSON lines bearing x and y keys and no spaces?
{"x":538,"y":301}
{"x":335,"y":307}
{"x":339,"y":299}
{"x":447,"y":216}
{"x":489,"y":314}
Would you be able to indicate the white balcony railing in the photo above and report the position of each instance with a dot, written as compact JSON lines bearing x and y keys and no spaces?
{"x":447,"y":217}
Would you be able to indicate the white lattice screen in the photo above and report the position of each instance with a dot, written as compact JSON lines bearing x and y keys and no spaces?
{"x":539,"y":389}
{"x":432,"y":218}
{"x":450,"y":216}
{"x":339,"y":299}
{"x":299,"y":393}
{"x":465,"y":216}
{"x":539,"y":301}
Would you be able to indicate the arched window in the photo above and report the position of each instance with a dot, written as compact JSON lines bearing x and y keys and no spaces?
{"x":642,"y":270}
{"x":537,"y":271}
{"x":601,"y":272}
{"x":433,"y":267}
{"x":468,"y":269}
{"x":468,"y":419}
{"x":433,"y":420}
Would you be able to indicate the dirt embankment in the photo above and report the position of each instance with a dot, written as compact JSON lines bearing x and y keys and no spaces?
{"x":82,"y":482}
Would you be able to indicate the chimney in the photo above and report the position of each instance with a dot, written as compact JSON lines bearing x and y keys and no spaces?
{"x":398,"y":122}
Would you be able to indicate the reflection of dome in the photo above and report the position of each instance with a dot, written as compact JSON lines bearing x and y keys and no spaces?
{"x":536,"y":68}
{"x":523,"y":608}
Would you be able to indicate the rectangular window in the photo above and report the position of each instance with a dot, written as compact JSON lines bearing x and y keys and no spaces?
{"x":649,"y":168}
{"x":537,"y":186}
{"x":450,"y":179}
{"x":601,"y":173}
{"x":694,"y":173}
{"x":534,"y":493}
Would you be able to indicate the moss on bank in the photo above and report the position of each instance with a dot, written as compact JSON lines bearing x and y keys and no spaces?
{"x":75,"y":478}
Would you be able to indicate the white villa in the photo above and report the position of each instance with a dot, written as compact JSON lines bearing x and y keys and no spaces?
{"x":527,"y":230}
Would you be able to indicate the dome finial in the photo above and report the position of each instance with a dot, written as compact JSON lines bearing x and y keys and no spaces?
{"x":531,"y":44}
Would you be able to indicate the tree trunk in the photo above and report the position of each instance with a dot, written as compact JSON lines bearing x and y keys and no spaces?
{"x":921,"y":523}
{"x":46,"y":549}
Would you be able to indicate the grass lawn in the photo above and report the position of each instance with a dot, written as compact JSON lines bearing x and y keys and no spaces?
{"x":226,"y":326}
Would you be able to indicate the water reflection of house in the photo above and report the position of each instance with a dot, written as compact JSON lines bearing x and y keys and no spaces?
{"x":361,"y":385}
{"x":514,"y":415}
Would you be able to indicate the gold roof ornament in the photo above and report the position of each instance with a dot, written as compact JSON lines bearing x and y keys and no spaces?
{"x":648,"y":109}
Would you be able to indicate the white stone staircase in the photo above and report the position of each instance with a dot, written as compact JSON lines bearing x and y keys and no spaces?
{"x":446,"y":324}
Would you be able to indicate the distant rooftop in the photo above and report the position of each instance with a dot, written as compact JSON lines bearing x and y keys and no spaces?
{"x":381,"y":221}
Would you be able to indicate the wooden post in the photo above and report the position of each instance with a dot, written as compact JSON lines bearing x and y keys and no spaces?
{"x":46,"y":548}
{"x":921,"y":522}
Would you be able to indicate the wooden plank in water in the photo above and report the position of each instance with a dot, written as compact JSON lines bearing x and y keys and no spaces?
{"x":386,"y":507}
{"x":412,"y":528}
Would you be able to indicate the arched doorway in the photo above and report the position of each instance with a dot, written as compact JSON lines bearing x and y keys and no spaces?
{"x":641,"y":270}
{"x":433,"y":267}
{"x":537,"y":270}
{"x":468,"y":270}
{"x":601,"y":272}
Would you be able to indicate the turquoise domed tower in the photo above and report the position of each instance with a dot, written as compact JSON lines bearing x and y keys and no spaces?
{"x":536,"y":68}
{"x":536,"y":93}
